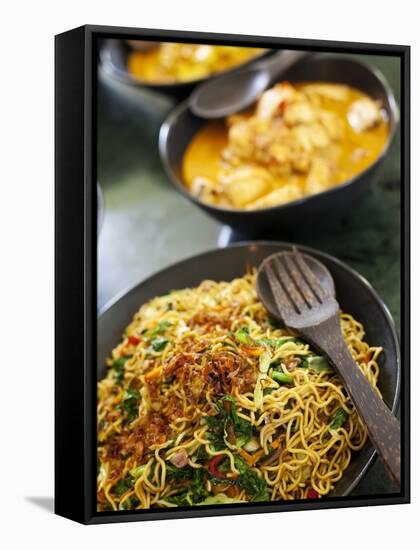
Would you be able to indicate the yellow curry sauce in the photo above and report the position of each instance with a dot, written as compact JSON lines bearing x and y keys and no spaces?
{"x":173,"y":62}
{"x":216,"y":153}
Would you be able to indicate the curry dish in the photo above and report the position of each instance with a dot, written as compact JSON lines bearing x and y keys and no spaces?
{"x":298,"y":140}
{"x":169,"y":63}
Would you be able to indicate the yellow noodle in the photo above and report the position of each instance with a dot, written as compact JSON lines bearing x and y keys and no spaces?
{"x":188,"y":362}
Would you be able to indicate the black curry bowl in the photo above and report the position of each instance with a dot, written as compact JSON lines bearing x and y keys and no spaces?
{"x":113,"y":56}
{"x":354,"y":294}
{"x":181,"y":125}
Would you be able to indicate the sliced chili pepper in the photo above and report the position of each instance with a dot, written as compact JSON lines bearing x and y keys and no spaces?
{"x":213,"y":466}
{"x":312,"y":494}
{"x":133,"y":340}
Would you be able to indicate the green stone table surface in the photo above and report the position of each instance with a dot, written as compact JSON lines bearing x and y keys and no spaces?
{"x":148,"y":225}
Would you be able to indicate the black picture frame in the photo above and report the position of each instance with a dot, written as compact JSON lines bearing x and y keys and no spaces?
{"x":76,"y":271}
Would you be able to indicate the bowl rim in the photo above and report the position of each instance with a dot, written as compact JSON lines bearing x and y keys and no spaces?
{"x":124,"y":76}
{"x":183,"y":106}
{"x":360,"y":279}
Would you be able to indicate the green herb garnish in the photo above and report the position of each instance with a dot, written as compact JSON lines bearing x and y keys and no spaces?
{"x":172,"y":472}
{"x":281,"y":377}
{"x":196,"y":491}
{"x":130,"y":403}
{"x":180,"y":499}
{"x":123,"y":485}
{"x":160,"y":328}
{"x":268,"y":391}
{"x":138,"y":471}
{"x":338,"y":419}
{"x":129,"y":504}
{"x":254,"y":486}
{"x":226,"y":421}
{"x":198,"y":485}
{"x":201,"y":454}
{"x":317,"y":363}
{"x":278,"y":342}
{"x":159,"y":344}
{"x":242,"y":336}
{"x":118,"y":365}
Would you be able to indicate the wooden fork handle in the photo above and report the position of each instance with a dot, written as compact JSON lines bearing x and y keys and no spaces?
{"x":383,"y":428}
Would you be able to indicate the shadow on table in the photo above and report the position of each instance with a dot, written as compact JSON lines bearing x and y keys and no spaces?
{"x":46,"y":503}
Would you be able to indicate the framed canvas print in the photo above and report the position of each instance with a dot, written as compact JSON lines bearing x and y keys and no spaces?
{"x":232,"y":274}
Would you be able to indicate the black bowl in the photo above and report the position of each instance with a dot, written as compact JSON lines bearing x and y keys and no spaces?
{"x":181,"y":125}
{"x":113,"y":55}
{"x":354,"y":294}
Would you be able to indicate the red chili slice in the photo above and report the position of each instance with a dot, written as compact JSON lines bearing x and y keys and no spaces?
{"x":213,"y":466}
{"x":312,"y":494}
{"x":133,"y":340}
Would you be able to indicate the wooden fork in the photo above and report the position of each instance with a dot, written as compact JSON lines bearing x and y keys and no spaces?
{"x":304,"y":305}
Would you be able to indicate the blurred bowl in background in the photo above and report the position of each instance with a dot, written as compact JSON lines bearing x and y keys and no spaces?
{"x":113,"y":56}
{"x":181,"y":126}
